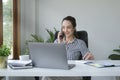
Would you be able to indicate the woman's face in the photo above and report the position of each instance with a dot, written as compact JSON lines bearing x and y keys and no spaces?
{"x":67,"y":28}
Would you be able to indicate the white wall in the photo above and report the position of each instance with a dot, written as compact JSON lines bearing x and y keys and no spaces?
{"x":28,"y":21}
{"x":100,"y":18}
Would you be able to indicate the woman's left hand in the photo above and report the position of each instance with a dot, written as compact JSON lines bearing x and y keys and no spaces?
{"x":88,"y":56}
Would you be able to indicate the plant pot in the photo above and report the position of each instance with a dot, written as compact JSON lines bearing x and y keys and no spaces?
{"x":3,"y":62}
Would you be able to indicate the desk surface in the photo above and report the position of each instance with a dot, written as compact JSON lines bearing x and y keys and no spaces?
{"x":79,"y":70}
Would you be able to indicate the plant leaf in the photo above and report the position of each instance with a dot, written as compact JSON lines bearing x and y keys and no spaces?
{"x":114,"y":57}
{"x":37,"y":38}
{"x":51,"y":36}
{"x":116,"y":50}
{"x":55,"y":29}
{"x":4,"y":51}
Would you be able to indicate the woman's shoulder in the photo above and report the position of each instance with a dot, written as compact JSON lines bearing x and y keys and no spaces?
{"x":79,"y":40}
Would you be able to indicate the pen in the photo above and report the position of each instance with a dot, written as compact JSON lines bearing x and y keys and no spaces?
{"x":88,"y":62}
{"x":109,"y":65}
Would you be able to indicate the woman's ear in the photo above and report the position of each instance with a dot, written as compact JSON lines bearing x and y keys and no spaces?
{"x":74,"y":29}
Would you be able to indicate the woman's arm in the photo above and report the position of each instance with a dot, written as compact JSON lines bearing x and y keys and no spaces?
{"x":88,"y":56}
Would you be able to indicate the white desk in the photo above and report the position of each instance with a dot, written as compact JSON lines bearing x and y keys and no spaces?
{"x":79,"y":70}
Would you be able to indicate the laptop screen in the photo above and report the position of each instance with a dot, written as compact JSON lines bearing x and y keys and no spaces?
{"x":48,"y":55}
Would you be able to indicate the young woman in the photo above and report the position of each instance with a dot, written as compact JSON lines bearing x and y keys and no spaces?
{"x":75,"y":47}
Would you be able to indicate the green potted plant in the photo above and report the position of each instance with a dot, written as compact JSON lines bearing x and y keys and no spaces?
{"x":51,"y":35}
{"x":115,"y":56}
{"x":35,"y":38}
{"x":25,"y":52}
{"x":4,"y":53}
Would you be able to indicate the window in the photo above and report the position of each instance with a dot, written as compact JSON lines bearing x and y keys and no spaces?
{"x":9,"y":25}
{"x":1,"y":23}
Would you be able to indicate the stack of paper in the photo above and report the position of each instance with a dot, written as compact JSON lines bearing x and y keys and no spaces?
{"x":19,"y":64}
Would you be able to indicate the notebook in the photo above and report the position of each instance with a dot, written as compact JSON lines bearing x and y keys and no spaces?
{"x":48,"y":55}
{"x":19,"y":64}
{"x":102,"y":64}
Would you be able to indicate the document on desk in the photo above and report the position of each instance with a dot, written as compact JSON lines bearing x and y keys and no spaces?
{"x":101,"y":64}
{"x":19,"y":64}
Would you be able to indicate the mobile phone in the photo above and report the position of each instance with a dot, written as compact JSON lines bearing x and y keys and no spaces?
{"x":62,"y":35}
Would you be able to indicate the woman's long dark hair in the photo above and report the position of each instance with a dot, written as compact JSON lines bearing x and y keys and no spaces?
{"x":73,"y":22}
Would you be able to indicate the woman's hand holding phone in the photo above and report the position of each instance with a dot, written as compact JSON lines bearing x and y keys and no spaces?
{"x":60,"y":37}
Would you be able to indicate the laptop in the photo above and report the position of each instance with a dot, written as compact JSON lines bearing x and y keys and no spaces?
{"x":48,"y":55}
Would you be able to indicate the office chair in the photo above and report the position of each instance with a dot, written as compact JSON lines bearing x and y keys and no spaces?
{"x":79,"y":34}
{"x":83,"y":35}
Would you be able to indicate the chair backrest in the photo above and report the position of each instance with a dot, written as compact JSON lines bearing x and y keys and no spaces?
{"x":83,"y":35}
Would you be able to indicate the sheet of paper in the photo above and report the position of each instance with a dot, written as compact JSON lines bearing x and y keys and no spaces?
{"x":20,"y":62}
